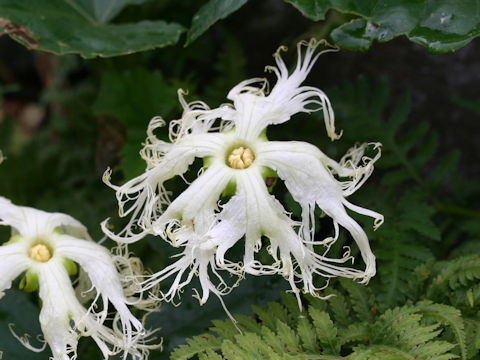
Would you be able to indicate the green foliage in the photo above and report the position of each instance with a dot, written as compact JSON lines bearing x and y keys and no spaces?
{"x":104,"y":11}
{"x":440,"y":26}
{"x":58,"y":171}
{"x":473,"y":105}
{"x":455,"y":281}
{"x":67,"y":26}
{"x":134,"y":97}
{"x":209,"y":14}
{"x":85,"y":27}
{"x":409,"y":236}
{"x":230,"y":63}
{"x":406,"y":332}
{"x":89,"y":27}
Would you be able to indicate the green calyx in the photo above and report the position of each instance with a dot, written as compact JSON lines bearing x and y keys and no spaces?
{"x":269,"y":176}
{"x":70,"y":266}
{"x":29,"y":281}
{"x":263,"y":135}
{"x":230,"y":189}
{"x":13,"y":239}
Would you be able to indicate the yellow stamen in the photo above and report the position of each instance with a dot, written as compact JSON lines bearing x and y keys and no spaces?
{"x":39,"y":252}
{"x":241,"y":158}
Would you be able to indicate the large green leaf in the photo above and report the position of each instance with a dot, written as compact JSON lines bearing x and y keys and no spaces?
{"x":103,"y":11}
{"x":209,"y":14}
{"x":68,"y":26}
{"x":439,"y":25}
{"x":316,"y":9}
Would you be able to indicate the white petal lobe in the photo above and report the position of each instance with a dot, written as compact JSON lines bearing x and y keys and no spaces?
{"x":13,"y":261}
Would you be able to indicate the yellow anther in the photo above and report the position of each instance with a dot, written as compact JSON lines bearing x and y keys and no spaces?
{"x":241,"y":158}
{"x":39,"y":252}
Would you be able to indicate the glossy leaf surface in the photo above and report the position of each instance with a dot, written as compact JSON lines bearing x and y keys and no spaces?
{"x":65,"y":26}
{"x":439,"y":25}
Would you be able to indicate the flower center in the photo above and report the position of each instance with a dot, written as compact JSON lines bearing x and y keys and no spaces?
{"x":241,"y":158}
{"x":39,"y":252}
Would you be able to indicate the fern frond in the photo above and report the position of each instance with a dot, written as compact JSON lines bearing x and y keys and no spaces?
{"x":225,"y":329}
{"x":209,"y":355}
{"x":340,"y":309}
{"x":291,"y":304}
{"x":325,"y":329}
{"x":400,"y":247}
{"x":462,"y":271}
{"x":270,"y":337}
{"x":231,"y":350}
{"x":195,"y":346}
{"x":288,"y":337}
{"x":379,"y":352}
{"x":270,"y":315}
{"x":401,"y":328}
{"x":358,"y":332}
{"x":456,"y":281}
{"x":413,"y":332}
{"x":253,"y":346}
{"x":247,"y":323}
{"x":360,"y":297}
{"x":306,"y":332}
{"x":449,"y":316}
{"x":472,"y":330}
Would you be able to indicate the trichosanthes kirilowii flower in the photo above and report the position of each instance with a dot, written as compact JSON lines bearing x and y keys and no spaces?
{"x":47,"y":247}
{"x":239,"y":164}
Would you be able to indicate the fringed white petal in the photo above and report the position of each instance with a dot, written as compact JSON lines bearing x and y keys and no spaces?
{"x":355,"y":165}
{"x":198,"y":118}
{"x":193,"y":261}
{"x":59,"y":307}
{"x":143,"y":197}
{"x":205,"y":242}
{"x":29,"y":221}
{"x":13,"y":261}
{"x":261,"y":209}
{"x":197,"y":259}
{"x":98,"y":264}
{"x":301,"y":166}
{"x":202,"y":195}
{"x":63,"y":319}
{"x":228,"y":230}
{"x":188,"y":135}
{"x":130,"y":270}
{"x":337,"y":212}
{"x":292,"y":259}
{"x":305,"y":173}
{"x":256,"y":110}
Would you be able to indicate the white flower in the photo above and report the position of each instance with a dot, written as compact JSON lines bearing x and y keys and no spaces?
{"x":240,"y":161}
{"x":1,"y":157}
{"x":46,"y":247}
